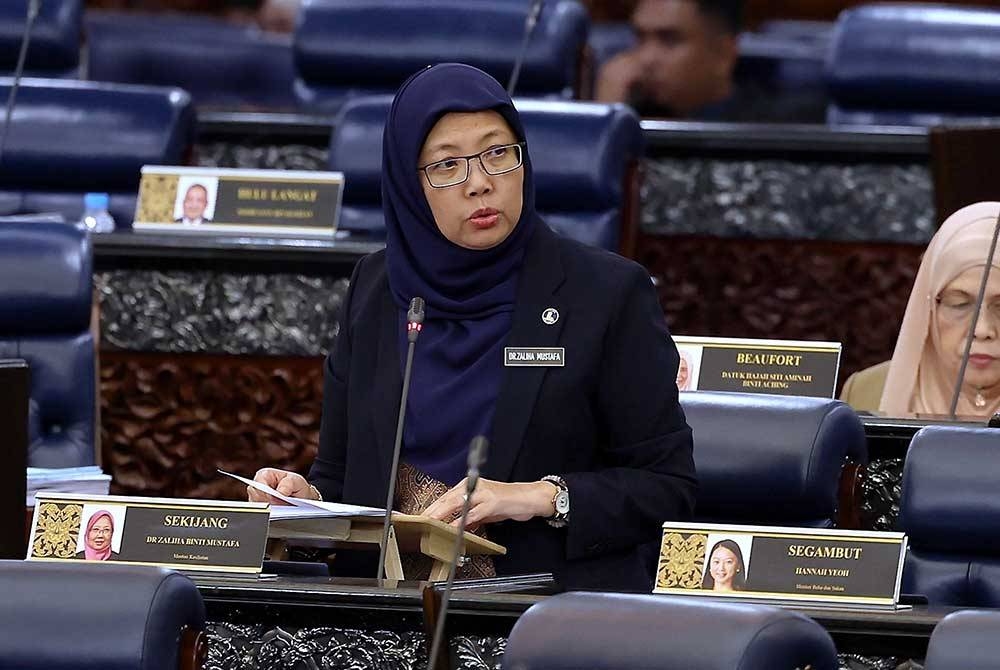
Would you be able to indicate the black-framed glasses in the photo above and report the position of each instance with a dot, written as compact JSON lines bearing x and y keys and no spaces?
{"x":454,"y":171}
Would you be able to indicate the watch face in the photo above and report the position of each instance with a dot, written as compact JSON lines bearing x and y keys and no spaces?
{"x":562,"y":502}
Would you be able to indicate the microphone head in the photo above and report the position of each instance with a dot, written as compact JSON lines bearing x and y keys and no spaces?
{"x":477,"y":451}
{"x":416,"y":313}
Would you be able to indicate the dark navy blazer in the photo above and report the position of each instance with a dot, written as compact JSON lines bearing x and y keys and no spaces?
{"x":608,"y":422}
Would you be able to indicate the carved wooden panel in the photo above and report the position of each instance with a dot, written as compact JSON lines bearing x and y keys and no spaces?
{"x":852,"y":293}
{"x":168,"y":421}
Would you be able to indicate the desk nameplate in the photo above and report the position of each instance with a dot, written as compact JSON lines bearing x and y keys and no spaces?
{"x":779,"y":367}
{"x":803,"y":566}
{"x":195,"y":535}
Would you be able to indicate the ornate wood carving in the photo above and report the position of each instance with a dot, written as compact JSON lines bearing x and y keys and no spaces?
{"x":168,"y":421}
{"x":854,"y":293}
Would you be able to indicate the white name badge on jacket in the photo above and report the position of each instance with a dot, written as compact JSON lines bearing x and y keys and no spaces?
{"x":553,"y":357}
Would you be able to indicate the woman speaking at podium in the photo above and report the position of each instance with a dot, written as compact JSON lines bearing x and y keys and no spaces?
{"x":589,"y":448}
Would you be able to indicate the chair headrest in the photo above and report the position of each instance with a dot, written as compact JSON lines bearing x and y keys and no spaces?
{"x":966,"y":639}
{"x":916,"y":57}
{"x":55,"y":36}
{"x":380,"y":43}
{"x":217,"y":62}
{"x":950,"y":497}
{"x":767,"y":457}
{"x":46,"y":271}
{"x":601,"y":631}
{"x":579,"y":151}
{"x":108,"y":616}
{"x":77,"y":135}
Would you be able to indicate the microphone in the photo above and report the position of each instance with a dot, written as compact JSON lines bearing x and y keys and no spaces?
{"x":477,"y":456}
{"x":34,"y":7}
{"x":529,"y":28}
{"x":414,"y":324}
{"x":975,"y":320}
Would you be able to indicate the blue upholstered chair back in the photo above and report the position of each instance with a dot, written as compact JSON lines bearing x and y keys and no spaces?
{"x":45,"y":302}
{"x":899,"y":64}
{"x":71,"y":137}
{"x":950,"y":509}
{"x":604,"y":631}
{"x":94,"y":617}
{"x":774,"y":460}
{"x":56,"y":36}
{"x":220,"y":64}
{"x":346,"y":48}
{"x":583,"y":154}
{"x":965,"y":640}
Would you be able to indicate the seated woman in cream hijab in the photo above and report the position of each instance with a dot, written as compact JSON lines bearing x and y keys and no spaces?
{"x":921,"y":376}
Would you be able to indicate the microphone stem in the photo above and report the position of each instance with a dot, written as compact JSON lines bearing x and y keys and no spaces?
{"x":446,"y":596}
{"x":383,"y":545}
{"x":33,"y":8}
{"x":975,"y":320}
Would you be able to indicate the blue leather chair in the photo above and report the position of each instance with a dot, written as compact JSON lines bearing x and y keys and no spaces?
{"x":899,"y":64}
{"x":71,"y":137}
{"x":346,"y":48}
{"x":965,"y":640}
{"x":604,"y":631}
{"x":584,"y":155}
{"x":220,"y":64}
{"x":99,"y":617}
{"x":54,"y":50}
{"x":45,"y":303}
{"x":950,"y":509}
{"x":775,"y":460}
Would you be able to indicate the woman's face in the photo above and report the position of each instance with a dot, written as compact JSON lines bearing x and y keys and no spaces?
{"x":683,"y":374}
{"x":954,"y":315}
{"x":722,"y":567}
{"x":482,"y":211}
{"x":100,"y":534}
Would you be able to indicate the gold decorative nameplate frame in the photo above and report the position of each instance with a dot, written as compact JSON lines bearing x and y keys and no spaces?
{"x":194,"y":535}
{"x":802,"y":566}
{"x":779,"y":367}
{"x":296,"y":203}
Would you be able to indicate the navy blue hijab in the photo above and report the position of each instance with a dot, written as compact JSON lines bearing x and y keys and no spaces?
{"x":458,"y":364}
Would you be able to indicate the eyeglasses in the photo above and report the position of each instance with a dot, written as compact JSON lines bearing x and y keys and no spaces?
{"x":958,"y":308}
{"x":454,"y":171}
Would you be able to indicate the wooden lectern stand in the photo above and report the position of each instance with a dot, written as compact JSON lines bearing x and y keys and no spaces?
{"x":408,"y":533}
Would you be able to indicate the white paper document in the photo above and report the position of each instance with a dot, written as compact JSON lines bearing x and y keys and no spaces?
{"x":301,"y":508}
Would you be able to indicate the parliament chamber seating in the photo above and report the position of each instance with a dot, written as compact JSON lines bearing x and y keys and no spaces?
{"x":911,"y":64}
{"x":347,"y":48}
{"x":604,"y":631}
{"x":99,"y":617}
{"x":71,"y":137}
{"x":950,"y":509}
{"x":220,"y":64}
{"x":584,"y":155}
{"x":54,"y":50}
{"x":965,"y":640}
{"x":45,"y":310}
{"x":776,"y":460}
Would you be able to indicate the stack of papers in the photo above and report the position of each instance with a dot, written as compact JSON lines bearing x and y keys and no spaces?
{"x":87,"y":480}
{"x":301,"y":508}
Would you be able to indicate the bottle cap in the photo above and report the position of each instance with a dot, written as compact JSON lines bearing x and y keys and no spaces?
{"x":96,"y":200}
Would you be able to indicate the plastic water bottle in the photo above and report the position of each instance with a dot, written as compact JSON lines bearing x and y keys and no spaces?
{"x":96,"y":218}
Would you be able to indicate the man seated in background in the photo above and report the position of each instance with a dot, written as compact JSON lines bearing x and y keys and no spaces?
{"x":683,"y":64}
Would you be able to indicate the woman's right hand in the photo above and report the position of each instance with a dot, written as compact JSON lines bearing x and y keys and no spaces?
{"x":286,"y":483}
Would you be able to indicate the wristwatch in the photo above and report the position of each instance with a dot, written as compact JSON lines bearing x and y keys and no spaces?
{"x":560,"y":501}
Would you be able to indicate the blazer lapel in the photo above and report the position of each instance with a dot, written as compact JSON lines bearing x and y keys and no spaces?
{"x":387,"y":385}
{"x":541,"y":275}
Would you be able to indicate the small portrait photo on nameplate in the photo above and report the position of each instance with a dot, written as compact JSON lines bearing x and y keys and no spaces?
{"x":183,"y":534}
{"x":294,"y":203}
{"x":816,"y":567}
{"x":778,"y":367}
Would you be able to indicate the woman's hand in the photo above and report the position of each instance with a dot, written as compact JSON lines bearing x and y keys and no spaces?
{"x":495,"y":501}
{"x":286,"y":483}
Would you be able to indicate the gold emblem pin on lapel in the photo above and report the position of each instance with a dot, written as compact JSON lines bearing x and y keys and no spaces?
{"x":550,"y":316}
